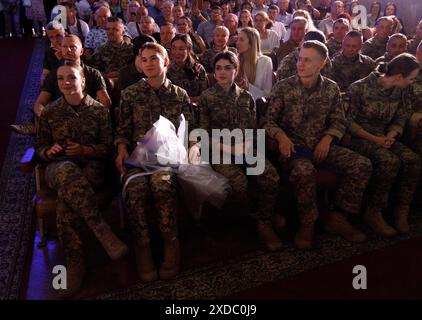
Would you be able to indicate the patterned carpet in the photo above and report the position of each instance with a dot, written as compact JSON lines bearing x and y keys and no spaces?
{"x":240,"y":273}
{"x":16,"y":191}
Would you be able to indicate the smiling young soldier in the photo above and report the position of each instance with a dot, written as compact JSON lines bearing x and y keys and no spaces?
{"x":307,"y":120}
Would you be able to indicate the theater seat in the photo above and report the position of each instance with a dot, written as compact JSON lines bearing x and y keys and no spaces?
{"x":45,"y":198}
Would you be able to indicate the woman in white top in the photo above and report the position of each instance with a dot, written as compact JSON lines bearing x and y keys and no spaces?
{"x":269,"y":38}
{"x":256,"y":70}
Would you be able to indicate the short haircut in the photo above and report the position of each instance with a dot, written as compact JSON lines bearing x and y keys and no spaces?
{"x":299,"y":19}
{"x":397,"y":36}
{"x":315,"y":35}
{"x":354,"y":34}
{"x":318,"y":46}
{"x":72,"y":36}
{"x":115,"y":19}
{"x":273,"y":7}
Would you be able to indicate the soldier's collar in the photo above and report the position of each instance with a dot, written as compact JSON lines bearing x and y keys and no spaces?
{"x":234,"y":88}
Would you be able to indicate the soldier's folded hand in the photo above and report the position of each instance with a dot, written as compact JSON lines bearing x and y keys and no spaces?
{"x":54,"y":151}
{"x":74,"y":149}
{"x":383,"y":141}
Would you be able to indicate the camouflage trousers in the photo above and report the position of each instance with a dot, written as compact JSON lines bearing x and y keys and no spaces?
{"x":162,"y":188}
{"x":353,"y":169}
{"x":268,"y":186}
{"x":398,"y":165}
{"x":76,"y":202}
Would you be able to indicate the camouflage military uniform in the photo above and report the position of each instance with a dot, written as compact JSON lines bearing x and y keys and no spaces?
{"x":416,"y":100}
{"x":374,"y":47}
{"x":110,"y":58}
{"x":306,"y":116}
{"x":378,"y":111}
{"x":194,"y":86}
{"x":413,"y":45}
{"x":231,"y":110}
{"x":386,"y":58}
{"x":207,"y":57}
{"x":75,"y":178}
{"x":346,"y":71}
{"x":288,"y":66}
{"x":334,"y":47}
{"x":140,"y":107}
{"x":284,"y":49}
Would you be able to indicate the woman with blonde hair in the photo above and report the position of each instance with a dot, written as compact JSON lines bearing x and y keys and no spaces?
{"x":255,"y":71}
{"x":269,"y":38}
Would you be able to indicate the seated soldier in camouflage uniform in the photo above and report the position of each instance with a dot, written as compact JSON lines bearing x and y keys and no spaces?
{"x":414,"y":42}
{"x":141,"y":106}
{"x":287,"y":67}
{"x":375,"y":46}
{"x":116,"y":53}
{"x":184,"y":71}
{"x":397,"y":44}
{"x":416,"y":96}
{"x":350,"y":65}
{"x":226,"y":106}
{"x":340,"y":28}
{"x":221,"y":37}
{"x":307,"y":119}
{"x":378,"y":113}
{"x":74,"y":138}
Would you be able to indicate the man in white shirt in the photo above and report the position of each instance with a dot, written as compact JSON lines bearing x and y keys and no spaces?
{"x":284,"y":17}
{"x":278,"y":27}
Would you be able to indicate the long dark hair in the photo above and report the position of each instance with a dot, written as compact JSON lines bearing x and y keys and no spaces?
{"x":191,"y":67}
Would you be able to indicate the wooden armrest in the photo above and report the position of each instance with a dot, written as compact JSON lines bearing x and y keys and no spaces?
{"x":28,"y":161}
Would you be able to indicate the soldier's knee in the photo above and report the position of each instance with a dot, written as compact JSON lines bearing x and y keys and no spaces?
{"x":413,"y":161}
{"x":303,"y":170}
{"x":389,"y":164}
{"x":364,"y":166}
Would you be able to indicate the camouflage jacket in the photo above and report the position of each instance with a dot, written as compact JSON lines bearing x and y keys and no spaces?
{"x":141,"y":106}
{"x":284,"y":49}
{"x":194,"y":86}
{"x":288,"y":66}
{"x":226,"y":110}
{"x":375,"y":109}
{"x":305,"y":115}
{"x":374,"y":47}
{"x":416,"y":99}
{"x":413,"y":45}
{"x":334,"y":47}
{"x":346,"y":71}
{"x":206,"y":59}
{"x":110,"y":58}
{"x":384,"y":58}
{"x":89,"y":125}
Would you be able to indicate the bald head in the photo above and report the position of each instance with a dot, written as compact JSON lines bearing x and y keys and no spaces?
{"x":396,"y":44}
